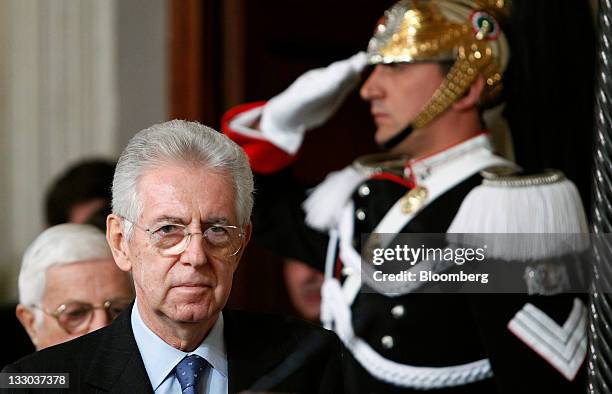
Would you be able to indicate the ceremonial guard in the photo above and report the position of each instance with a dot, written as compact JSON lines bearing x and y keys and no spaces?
{"x":437,"y":65}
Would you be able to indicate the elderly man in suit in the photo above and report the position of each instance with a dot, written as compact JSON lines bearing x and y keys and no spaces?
{"x":182,"y":199}
{"x":69,"y":285}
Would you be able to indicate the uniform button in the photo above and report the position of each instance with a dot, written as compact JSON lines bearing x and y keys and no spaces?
{"x":387,"y":341}
{"x":398,"y":311}
{"x":364,"y":191}
{"x":360,"y":214}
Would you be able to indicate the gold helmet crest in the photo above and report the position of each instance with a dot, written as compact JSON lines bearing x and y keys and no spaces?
{"x":465,"y":33}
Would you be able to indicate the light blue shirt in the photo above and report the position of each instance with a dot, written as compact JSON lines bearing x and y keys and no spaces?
{"x":159,"y":358}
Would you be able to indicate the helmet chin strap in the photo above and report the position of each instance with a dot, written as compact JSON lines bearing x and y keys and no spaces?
{"x":399,"y":137}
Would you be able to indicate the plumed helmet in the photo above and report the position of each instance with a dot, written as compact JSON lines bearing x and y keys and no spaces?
{"x":465,"y":33}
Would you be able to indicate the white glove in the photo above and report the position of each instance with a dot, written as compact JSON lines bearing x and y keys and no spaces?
{"x":309,"y":101}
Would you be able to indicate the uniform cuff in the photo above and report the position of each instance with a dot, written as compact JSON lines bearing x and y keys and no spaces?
{"x":264,"y":156}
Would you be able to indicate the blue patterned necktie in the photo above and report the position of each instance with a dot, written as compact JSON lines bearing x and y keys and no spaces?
{"x":189,"y":371}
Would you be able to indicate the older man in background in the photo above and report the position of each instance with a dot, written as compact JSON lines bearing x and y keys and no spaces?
{"x":69,"y":285}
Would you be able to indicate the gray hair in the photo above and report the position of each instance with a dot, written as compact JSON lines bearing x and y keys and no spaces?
{"x":58,"y":245}
{"x":183,"y":142}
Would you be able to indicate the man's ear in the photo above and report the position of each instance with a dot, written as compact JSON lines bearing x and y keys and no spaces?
{"x":28,"y":320}
{"x":471,"y":98}
{"x":248,"y":231}
{"x":118,"y":242}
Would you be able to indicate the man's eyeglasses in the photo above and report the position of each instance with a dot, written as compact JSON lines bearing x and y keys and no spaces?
{"x":75,"y":317}
{"x":172,"y":239}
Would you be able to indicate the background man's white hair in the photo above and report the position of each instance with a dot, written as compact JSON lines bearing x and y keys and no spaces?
{"x":179,"y":141}
{"x":58,"y":245}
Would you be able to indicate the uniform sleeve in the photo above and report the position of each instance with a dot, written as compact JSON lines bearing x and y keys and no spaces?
{"x":278,"y":218}
{"x":536,"y":344}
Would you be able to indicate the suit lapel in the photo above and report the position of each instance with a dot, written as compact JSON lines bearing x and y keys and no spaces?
{"x":251,"y":350}
{"x":116,"y":363}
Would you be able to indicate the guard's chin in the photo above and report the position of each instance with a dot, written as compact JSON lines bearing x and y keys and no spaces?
{"x":383,"y":140}
{"x":383,"y":135}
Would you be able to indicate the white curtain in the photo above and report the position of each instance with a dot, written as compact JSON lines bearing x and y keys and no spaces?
{"x":58,"y":104}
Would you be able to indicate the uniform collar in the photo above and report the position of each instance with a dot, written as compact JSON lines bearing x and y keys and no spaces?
{"x":418,"y":170}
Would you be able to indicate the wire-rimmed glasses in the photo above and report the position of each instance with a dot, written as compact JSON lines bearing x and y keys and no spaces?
{"x":172,"y":239}
{"x":75,"y":316}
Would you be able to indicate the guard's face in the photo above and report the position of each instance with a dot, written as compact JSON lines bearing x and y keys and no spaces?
{"x":192,"y":286}
{"x":90,"y":282}
{"x":397,"y":93}
{"x":304,"y":288}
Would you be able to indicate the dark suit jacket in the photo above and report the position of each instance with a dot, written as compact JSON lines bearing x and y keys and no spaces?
{"x":19,"y":344}
{"x":265,"y":353}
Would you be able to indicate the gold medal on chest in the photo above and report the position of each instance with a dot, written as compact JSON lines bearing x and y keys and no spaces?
{"x":414,"y":200}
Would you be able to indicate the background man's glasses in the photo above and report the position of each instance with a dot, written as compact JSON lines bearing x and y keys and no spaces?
{"x":220,"y":240}
{"x":75,"y":317}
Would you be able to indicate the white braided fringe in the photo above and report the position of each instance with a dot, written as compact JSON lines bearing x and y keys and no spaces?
{"x":421,"y":378}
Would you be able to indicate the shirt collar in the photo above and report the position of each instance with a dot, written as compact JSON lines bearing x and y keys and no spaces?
{"x":160,"y":358}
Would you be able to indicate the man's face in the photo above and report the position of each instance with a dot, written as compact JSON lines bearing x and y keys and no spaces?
{"x":397,"y":93}
{"x":304,"y":288}
{"x":83,"y":211}
{"x":92,"y":282}
{"x":193,"y":286}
